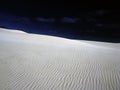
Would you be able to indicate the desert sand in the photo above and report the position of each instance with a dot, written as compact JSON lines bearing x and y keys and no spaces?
{"x":41,"y":62}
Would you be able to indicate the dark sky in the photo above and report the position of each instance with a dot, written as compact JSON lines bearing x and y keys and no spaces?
{"x":54,"y":8}
{"x":95,"y":18}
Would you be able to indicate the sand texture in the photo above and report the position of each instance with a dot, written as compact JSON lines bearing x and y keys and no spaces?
{"x":40,"y":62}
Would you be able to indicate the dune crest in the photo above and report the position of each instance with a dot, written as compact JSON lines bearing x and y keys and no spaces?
{"x":13,"y":31}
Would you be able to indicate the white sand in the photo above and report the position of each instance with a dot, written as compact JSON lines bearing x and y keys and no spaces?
{"x":39,"y":62}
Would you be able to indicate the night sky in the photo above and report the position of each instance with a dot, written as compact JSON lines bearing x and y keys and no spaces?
{"x":95,"y":20}
{"x":72,"y":8}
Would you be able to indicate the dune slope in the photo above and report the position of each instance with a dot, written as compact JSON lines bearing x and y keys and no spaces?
{"x":39,"y":62}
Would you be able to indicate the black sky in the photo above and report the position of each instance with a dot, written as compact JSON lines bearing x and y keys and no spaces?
{"x":54,"y":8}
{"x":96,"y":18}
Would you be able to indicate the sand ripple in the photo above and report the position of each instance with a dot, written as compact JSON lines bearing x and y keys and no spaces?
{"x":30,"y":62}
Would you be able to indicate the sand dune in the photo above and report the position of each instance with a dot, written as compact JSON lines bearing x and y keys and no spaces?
{"x":39,"y":62}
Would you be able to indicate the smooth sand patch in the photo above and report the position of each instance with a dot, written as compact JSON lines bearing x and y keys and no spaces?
{"x":39,"y":62}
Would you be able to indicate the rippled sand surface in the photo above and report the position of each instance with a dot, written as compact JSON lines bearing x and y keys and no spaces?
{"x":39,"y":62}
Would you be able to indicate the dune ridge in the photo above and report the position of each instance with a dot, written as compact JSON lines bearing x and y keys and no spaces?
{"x":39,"y":62}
